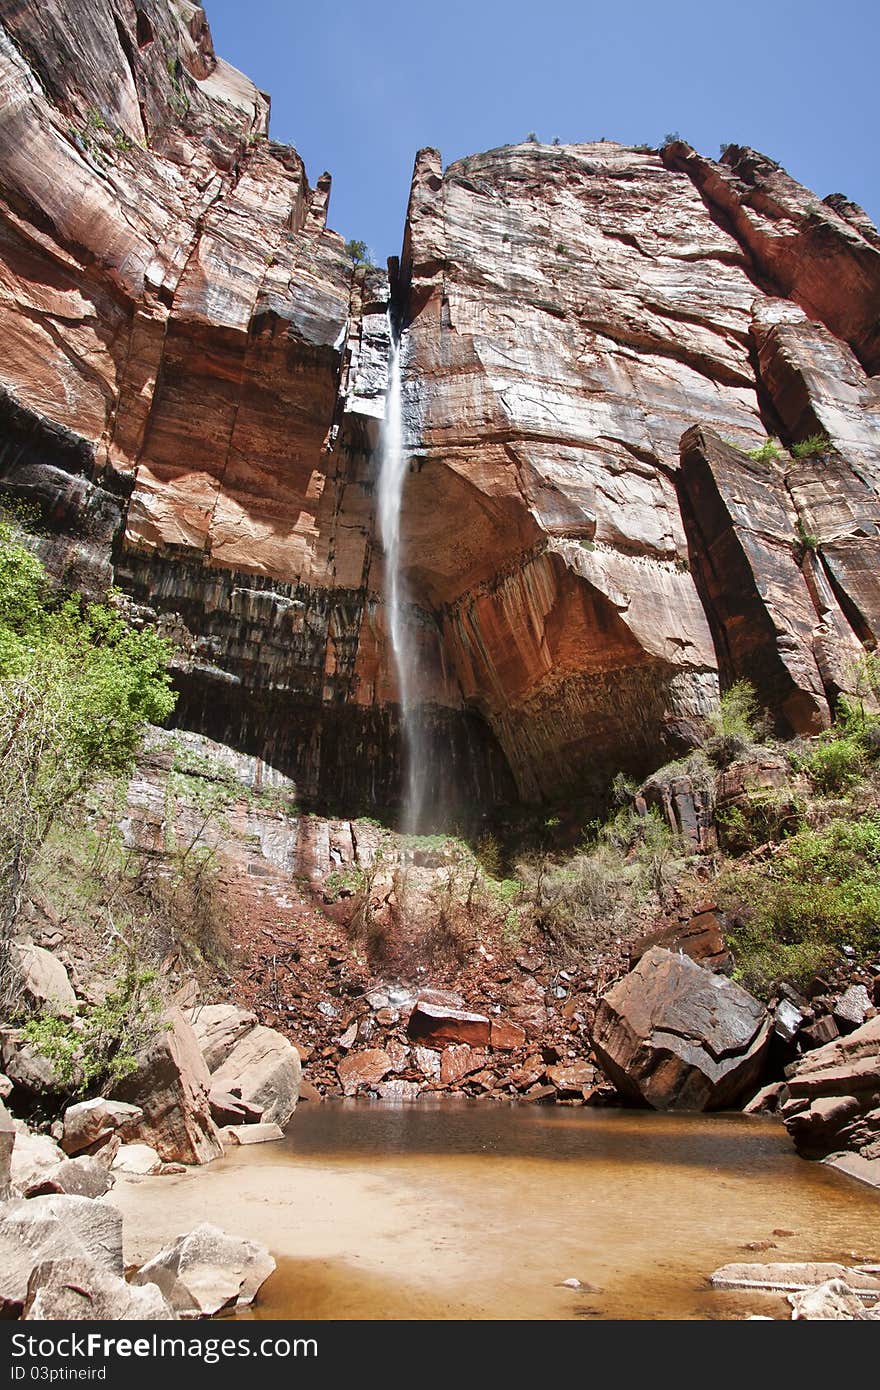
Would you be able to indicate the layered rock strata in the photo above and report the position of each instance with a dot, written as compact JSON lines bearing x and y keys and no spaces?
{"x":194,"y":382}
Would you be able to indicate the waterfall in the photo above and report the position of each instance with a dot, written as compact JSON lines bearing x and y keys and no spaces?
{"x":393,"y":465}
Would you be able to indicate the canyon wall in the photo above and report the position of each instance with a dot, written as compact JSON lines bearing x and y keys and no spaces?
{"x":193,"y":383}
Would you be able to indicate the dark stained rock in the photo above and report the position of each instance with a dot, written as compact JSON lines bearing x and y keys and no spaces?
{"x":89,"y":1123}
{"x":701,"y":938}
{"x":678,"y":1037}
{"x":835,"y":1097}
{"x":437,"y":1024}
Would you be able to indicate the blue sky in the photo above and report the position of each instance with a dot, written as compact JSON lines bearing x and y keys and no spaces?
{"x":359,"y":88}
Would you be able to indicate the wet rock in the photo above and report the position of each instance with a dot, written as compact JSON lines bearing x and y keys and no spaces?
{"x":207,"y":1271}
{"x":74,"y":1289}
{"x":264,"y":1068}
{"x":39,"y":1229}
{"x":218,"y":1027}
{"x":140,"y":1160}
{"x":228,"y":1109}
{"x":251,"y":1134}
{"x":44,"y":982}
{"x":171,"y":1085}
{"x":438,"y":1024}
{"x":89,"y":1123}
{"x":79,"y":1177}
{"x":851,"y":1009}
{"x":833,"y":1300}
{"x":676,"y":1036}
{"x":363,"y":1069}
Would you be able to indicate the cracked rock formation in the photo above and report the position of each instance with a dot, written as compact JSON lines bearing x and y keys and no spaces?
{"x":194,"y":380}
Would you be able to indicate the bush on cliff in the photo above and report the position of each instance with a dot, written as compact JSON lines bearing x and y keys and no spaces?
{"x":796,"y":912}
{"x":77,"y":685}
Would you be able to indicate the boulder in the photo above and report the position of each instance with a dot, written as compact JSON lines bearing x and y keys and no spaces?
{"x":678,"y":1037}
{"x":251,"y":1134}
{"x":90,"y":1123}
{"x":437,"y":1024}
{"x":33,"y":1157}
{"x":833,"y":1300}
{"x":207,"y":1271}
{"x":86,"y":1176}
{"x":28,"y":1070}
{"x":6,"y":1087}
{"x":218,"y":1028}
{"x":365,"y":1068}
{"x":834,"y":1104}
{"x":228,"y":1109}
{"x":38,"y":1229}
{"x":7,"y":1144}
{"x":701,"y":938}
{"x":506,"y":1036}
{"x":44,"y":983}
{"x":264,"y":1069}
{"x":75,"y":1288}
{"x":794,"y":1277}
{"x":137,"y":1159}
{"x":171,"y":1085}
{"x":458,"y":1061}
{"x":572,"y":1078}
{"x":852,"y":1008}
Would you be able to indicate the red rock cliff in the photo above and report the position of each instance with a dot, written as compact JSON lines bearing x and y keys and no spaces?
{"x":194,"y":375}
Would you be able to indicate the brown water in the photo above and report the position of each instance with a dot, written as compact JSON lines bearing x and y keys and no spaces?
{"x":479,"y":1211}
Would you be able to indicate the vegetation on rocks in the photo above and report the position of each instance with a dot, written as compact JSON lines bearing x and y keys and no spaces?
{"x":77,"y":685}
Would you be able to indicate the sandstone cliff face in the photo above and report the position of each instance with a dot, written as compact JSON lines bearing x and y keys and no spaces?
{"x":194,"y":378}
{"x":574,"y":310}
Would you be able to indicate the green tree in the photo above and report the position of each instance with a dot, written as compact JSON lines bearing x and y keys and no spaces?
{"x":77,"y":685}
{"x":358,"y":253}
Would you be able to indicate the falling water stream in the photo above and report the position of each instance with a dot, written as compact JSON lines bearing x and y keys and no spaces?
{"x":393,"y":468}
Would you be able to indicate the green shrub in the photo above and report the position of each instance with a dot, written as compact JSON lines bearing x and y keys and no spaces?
{"x":92,"y":1054}
{"x":806,"y":540}
{"x":77,"y":686}
{"x":835,"y":765}
{"x":768,"y":452}
{"x":733,"y":726}
{"x":795,"y":913}
{"x":759,"y":818}
{"x":811,"y":447}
